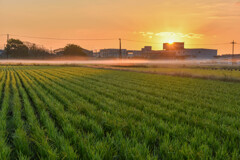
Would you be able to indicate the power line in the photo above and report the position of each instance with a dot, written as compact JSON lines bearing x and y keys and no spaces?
{"x":105,"y":39}
{"x":208,"y":44}
{"x":64,"y":39}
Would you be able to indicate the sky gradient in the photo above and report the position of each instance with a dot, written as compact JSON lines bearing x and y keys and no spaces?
{"x":194,"y":22}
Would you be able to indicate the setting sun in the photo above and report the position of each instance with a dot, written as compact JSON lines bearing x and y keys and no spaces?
{"x":170,"y":41}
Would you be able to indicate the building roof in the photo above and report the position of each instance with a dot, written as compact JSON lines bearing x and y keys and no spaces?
{"x":199,"y":49}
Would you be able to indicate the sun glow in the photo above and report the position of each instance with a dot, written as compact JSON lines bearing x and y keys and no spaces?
{"x":170,"y":41}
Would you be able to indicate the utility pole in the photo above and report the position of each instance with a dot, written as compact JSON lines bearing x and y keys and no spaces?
{"x":120,"y":48}
{"x":6,"y":45}
{"x":233,"y":47}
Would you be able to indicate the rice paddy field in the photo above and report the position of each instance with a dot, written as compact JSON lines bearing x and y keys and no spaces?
{"x":57,"y":112}
{"x":227,"y":73}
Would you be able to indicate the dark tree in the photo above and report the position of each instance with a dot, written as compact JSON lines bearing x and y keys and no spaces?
{"x":37,"y":52}
{"x":16,"y":49}
{"x":73,"y":50}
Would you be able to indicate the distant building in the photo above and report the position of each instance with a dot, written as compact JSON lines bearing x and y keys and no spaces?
{"x":1,"y":53}
{"x":134,"y":53}
{"x":229,"y":56}
{"x":112,"y":53}
{"x":177,"y":49}
{"x":58,"y":51}
{"x":173,"y":46}
{"x":147,"y":49}
{"x":170,"y":51}
{"x":198,"y":53}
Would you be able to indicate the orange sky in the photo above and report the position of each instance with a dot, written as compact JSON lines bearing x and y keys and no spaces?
{"x":156,"y":21}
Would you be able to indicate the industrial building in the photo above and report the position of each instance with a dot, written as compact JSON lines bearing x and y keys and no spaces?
{"x":198,"y":53}
{"x":175,"y":50}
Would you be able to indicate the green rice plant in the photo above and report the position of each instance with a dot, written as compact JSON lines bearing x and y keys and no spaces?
{"x":5,"y":149}
{"x":20,"y":139}
{"x":39,"y":142}
{"x":65,"y":149}
{"x":58,"y":112}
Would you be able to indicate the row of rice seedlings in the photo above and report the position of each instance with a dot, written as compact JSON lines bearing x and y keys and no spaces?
{"x":189,"y":89}
{"x":72,"y":104}
{"x":100,"y":97}
{"x":194,"y":88}
{"x":63,"y":146}
{"x":178,"y":97}
{"x":61,"y":117}
{"x":54,"y":87}
{"x":207,"y":117}
{"x":135,"y":80}
{"x":56,"y":102}
{"x":39,"y":142}
{"x":142,"y":102}
{"x":5,"y":149}
{"x":197,"y":111}
{"x":93,"y":153}
{"x":123,"y":85}
{"x":20,"y":139}
{"x":226,"y":129}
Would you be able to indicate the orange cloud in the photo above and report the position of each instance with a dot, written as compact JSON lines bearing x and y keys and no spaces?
{"x":173,"y":34}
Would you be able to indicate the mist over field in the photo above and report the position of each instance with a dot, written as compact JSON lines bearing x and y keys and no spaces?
{"x":124,"y":62}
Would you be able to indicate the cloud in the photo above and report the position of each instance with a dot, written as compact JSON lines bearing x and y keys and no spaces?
{"x":225,"y":16}
{"x":150,"y":33}
{"x":182,"y":35}
{"x":171,"y":35}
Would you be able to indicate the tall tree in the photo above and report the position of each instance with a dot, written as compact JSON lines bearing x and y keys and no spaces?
{"x":73,"y":50}
{"x":37,"y":52}
{"x":16,"y":49}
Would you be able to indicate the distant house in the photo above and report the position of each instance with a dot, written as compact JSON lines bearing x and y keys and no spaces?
{"x":88,"y":52}
{"x":58,"y":51}
{"x":112,"y":53}
{"x":1,"y":53}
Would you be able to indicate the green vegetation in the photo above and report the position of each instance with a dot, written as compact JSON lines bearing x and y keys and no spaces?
{"x":57,"y":112}
{"x":73,"y":50}
{"x":17,"y":49}
{"x":207,"y":72}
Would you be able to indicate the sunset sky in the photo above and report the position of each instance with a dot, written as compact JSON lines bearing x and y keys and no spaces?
{"x":191,"y":21}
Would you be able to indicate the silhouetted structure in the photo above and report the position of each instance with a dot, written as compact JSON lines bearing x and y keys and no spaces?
{"x":170,"y":51}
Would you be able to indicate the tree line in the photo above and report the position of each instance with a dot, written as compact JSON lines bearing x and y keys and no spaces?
{"x":17,"y":49}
